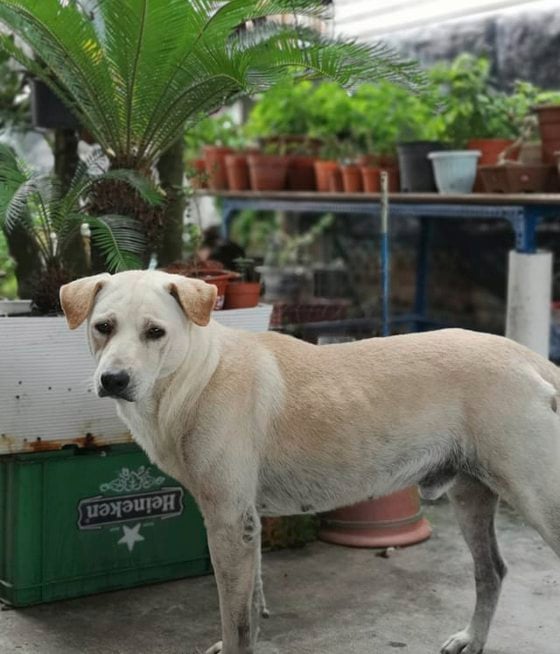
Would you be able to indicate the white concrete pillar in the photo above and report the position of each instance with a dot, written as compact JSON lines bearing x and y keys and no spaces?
{"x":529,"y":300}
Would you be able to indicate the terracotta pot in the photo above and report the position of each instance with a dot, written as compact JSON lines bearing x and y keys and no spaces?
{"x":301,"y":173}
{"x":392,"y":521}
{"x":371,"y":178}
{"x":214,"y":156}
{"x":549,"y":128}
{"x":352,"y":179}
{"x":268,"y":172}
{"x":218,"y":278}
{"x":515,"y":178}
{"x":242,"y":295}
{"x":198,"y":179}
{"x":323,"y":173}
{"x":336,"y":185}
{"x":490,"y":149}
{"x":237,"y":172}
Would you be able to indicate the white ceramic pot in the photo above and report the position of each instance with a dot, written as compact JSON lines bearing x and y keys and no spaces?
{"x":455,"y":170}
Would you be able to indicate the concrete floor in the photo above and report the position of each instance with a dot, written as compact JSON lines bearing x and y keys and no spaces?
{"x":325,"y":599}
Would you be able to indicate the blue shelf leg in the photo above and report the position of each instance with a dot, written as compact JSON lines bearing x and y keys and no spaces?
{"x":525,"y":227}
{"x":422,"y":272}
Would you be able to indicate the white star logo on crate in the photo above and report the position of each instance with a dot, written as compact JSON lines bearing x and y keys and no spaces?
{"x":131,"y":536}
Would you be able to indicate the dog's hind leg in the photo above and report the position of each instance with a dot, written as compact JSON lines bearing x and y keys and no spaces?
{"x":475,"y":506}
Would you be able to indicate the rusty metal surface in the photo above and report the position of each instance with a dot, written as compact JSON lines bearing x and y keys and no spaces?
{"x":14,"y":445}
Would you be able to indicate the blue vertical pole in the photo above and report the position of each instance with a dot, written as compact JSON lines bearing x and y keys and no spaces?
{"x":385,"y":256}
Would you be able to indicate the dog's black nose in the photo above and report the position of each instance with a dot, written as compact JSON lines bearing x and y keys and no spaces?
{"x":114,"y":384}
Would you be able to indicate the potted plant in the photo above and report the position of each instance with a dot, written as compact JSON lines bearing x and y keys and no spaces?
{"x":476,"y":115}
{"x":384,"y":118}
{"x":327,"y":166}
{"x":207,"y":270}
{"x":301,"y":166}
{"x":52,"y":219}
{"x":525,"y":174}
{"x":282,"y":118}
{"x":268,"y":170}
{"x":243,"y":292}
{"x":214,"y":137}
{"x":350,"y":169}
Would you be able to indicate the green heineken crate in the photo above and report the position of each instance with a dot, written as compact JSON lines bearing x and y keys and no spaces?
{"x":75,"y":522}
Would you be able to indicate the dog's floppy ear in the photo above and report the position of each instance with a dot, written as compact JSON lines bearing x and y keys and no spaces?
{"x":197,"y":298}
{"x":77,"y":298}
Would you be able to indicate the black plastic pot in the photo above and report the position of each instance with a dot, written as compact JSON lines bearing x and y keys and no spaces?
{"x":48,"y":110}
{"x":417,"y":175}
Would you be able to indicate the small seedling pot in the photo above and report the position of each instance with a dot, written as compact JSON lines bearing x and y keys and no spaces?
{"x":455,"y":170}
{"x":371,"y":177}
{"x":214,"y":156}
{"x":352,"y":179}
{"x":268,"y":172}
{"x":301,"y":173}
{"x":242,"y":295}
{"x":324,"y":170}
{"x":237,"y":172}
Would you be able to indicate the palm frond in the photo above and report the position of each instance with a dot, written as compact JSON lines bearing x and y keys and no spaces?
{"x":120,"y":239}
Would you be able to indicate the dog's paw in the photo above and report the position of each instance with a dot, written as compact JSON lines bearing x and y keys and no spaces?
{"x":462,"y":643}
{"x":215,"y":649}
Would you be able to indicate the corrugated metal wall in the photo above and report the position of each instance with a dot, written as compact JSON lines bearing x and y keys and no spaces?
{"x":373,"y":19}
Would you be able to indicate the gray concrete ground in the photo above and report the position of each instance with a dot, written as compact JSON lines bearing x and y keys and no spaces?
{"x":324,"y":599}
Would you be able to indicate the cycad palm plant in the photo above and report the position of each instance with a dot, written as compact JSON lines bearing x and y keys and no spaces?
{"x":53,"y":218}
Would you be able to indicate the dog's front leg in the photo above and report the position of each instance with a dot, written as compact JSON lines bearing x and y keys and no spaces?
{"x":234,"y":542}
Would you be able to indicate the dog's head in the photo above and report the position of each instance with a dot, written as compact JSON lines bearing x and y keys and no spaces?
{"x":140,"y":326}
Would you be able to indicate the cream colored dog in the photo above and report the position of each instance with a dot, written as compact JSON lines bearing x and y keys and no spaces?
{"x":268,"y":425}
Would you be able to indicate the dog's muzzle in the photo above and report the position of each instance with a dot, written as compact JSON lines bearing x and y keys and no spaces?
{"x":116,"y":384}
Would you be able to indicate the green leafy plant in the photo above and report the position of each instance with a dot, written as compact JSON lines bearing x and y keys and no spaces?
{"x":53,"y":218}
{"x":370,"y":119}
{"x":474,"y":107}
{"x":383,"y":114}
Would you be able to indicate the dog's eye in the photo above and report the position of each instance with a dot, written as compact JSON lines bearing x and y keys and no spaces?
{"x":104,"y":328}
{"x":154,"y":333}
